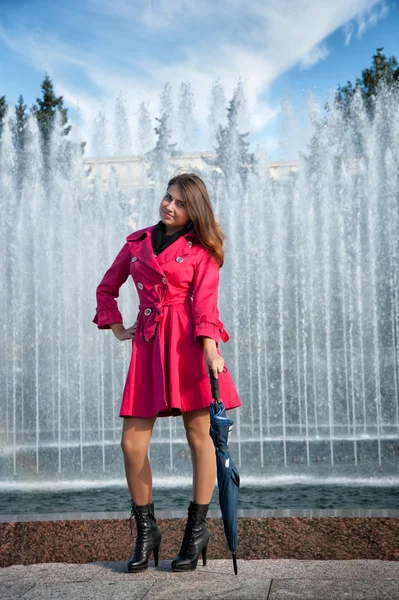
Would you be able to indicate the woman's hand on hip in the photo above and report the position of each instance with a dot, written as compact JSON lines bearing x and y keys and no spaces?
{"x":124,"y":334}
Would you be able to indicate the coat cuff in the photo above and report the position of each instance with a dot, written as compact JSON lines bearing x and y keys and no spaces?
{"x":211,"y":327}
{"x":104,"y":317}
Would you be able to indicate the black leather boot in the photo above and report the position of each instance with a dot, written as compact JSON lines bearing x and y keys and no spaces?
{"x":195,"y":540}
{"x":148,"y":537}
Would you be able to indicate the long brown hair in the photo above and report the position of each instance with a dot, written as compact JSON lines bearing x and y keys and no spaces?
{"x":200,"y":211}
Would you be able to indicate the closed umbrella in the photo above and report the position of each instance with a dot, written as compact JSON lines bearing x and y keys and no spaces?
{"x":227,"y":474}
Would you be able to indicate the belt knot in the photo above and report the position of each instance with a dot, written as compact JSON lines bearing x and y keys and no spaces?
{"x":159,"y":308}
{"x":154,"y":315}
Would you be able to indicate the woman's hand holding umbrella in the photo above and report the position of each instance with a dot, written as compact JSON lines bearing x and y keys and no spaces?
{"x":213,"y":361}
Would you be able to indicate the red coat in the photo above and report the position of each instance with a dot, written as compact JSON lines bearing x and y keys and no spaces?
{"x":178,"y":293}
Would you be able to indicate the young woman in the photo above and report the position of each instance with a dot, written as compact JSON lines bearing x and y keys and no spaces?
{"x":175,"y":340}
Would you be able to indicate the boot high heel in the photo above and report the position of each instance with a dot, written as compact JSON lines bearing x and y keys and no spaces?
{"x":148,"y":537}
{"x":195,"y":540}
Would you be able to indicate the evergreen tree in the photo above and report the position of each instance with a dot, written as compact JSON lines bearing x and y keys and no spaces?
{"x":123,"y":138}
{"x":159,"y":156}
{"x":19,"y":126}
{"x":100,"y":134}
{"x":383,"y":71}
{"x":217,"y":112}
{"x":186,"y":116}
{"x":166,"y":107}
{"x":145,"y":133}
{"x":3,"y":111}
{"x":232,"y":150}
{"x":164,"y":149}
{"x":46,"y":111}
{"x":20,"y":137}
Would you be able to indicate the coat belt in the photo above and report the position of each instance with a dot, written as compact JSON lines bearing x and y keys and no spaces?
{"x":151,"y":319}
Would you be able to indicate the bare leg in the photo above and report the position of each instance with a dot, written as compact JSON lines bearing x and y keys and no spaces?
{"x":197,"y":424}
{"x":136,"y":435}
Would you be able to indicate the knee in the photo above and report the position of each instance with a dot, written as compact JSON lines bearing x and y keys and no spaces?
{"x":196,"y":439}
{"x":133,"y":448}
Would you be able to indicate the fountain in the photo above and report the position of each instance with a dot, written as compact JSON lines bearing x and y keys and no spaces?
{"x":309,"y":295}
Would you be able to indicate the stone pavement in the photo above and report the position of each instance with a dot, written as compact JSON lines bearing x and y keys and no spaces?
{"x":256,"y":580}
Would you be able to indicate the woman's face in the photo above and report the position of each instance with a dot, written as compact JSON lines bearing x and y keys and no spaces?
{"x":173,"y":211}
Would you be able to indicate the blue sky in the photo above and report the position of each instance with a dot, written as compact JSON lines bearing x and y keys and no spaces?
{"x":97,"y":49}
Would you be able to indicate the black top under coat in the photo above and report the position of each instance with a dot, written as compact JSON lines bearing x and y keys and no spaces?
{"x":160,"y":240}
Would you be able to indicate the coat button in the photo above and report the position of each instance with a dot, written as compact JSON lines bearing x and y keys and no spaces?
{"x":134,"y":258}
{"x":190,"y":244}
{"x":155,"y":254}
{"x":146,"y":338}
{"x":147,"y":311}
{"x":140,"y":286}
{"x":164,"y":280}
{"x":179,"y":259}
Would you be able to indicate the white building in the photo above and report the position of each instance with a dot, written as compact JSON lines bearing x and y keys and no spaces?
{"x":131,"y":171}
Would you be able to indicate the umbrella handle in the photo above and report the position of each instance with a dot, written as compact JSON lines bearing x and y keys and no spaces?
{"x":234,"y":555}
{"x":214,"y":386}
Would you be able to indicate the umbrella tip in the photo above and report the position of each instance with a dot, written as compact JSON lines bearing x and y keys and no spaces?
{"x":235,"y":562}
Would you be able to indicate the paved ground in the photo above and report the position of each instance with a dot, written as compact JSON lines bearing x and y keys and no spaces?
{"x":256,"y":580}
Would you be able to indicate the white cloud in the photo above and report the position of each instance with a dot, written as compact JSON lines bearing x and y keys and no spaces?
{"x":315,"y":55}
{"x":348,"y":32}
{"x":120,"y":46}
{"x":364,"y":20}
{"x":160,"y":15}
{"x":368,"y":19}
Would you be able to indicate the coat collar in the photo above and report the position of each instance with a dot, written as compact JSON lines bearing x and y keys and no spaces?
{"x":144,"y":252}
{"x":140,"y":233}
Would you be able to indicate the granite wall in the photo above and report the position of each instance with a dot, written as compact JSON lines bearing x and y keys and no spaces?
{"x":87,"y":537}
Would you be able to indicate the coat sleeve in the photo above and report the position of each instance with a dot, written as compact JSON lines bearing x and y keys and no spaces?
{"x":205,"y":301}
{"x":108,"y":289}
